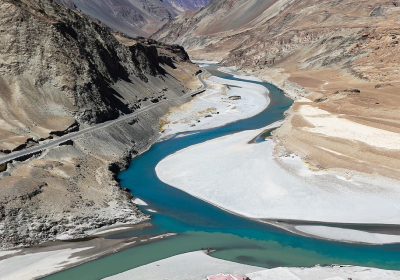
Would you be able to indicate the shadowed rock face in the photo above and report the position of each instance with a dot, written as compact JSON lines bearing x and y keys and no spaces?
{"x":59,"y":72}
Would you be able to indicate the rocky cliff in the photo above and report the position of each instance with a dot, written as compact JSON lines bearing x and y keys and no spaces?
{"x":343,"y":55}
{"x":61,"y":72}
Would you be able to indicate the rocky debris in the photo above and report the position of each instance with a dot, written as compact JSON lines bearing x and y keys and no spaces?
{"x":321,"y":99}
{"x":346,"y":92}
{"x":236,"y":97}
{"x":378,"y":86}
{"x":352,"y":90}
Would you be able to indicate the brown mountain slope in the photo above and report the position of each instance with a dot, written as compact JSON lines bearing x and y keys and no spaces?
{"x":325,"y":49}
{"x":61,"y":72}
{"x":133,"y":17}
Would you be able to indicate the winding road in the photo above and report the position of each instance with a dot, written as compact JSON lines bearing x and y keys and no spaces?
{"x":56,"y":142}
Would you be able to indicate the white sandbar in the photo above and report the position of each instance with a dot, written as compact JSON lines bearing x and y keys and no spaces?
{"x":350,"y":235}
{"x":247,"y":179}
{"x":138,"y":201}
{"x":189,"y":266}
{"x":216,"y":107}
{"x":197,"y":266}
{"x":37,"y":264}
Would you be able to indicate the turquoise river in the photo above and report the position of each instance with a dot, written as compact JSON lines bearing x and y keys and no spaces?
{"x":201,"y":225}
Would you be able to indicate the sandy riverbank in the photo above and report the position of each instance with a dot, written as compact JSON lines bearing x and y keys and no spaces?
{"x":348,"y":235}
{"x":198,"y":265}
{"x":218,"y":106}
{"x":38,"y":261}
{"x":189,"y":266}
{"x":339,"y":121}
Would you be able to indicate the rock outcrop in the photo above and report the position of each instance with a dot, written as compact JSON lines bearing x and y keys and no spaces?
{"x":60,"y":71}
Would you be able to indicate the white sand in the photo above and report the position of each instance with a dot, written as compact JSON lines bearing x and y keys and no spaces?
{"x":344,"y":273}
{"x":247,"y":179}
{"x":214,"y":108}
{"x":138,"y":201}
{"x":325,"y":273}
{"x":187,"y":134}
{"x":10,"y":252}
{"x":189,"y":266}
{"x":333,"y":126}
{"x":273,"y":274}
{"x":38,"y":264}
{"x":197,"y":266}
{"x":350,"y":235}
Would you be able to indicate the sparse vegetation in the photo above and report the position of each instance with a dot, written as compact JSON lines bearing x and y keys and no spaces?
{"x":163,"y":121}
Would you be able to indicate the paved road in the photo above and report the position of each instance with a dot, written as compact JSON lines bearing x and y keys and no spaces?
{"x":70,"y":136}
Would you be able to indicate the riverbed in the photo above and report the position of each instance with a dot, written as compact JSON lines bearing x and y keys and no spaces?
{"x":201,"y":225}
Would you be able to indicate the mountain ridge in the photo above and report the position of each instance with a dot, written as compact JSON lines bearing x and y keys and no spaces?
{"x":133,"y":17}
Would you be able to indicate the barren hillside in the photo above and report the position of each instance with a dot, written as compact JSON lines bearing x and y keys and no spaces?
{"x":133,"y":17}
{"x":61,"y":72}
